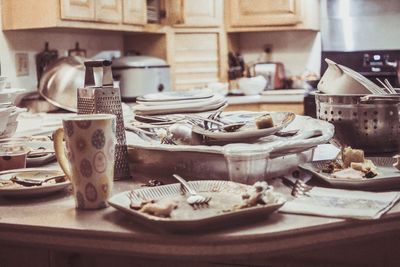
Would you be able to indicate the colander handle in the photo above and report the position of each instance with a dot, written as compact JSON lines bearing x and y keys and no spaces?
{"x":379,"y":98}
{"x":107,"y":79}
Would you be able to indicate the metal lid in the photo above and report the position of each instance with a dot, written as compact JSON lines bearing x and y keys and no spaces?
{"x":138,"y":62}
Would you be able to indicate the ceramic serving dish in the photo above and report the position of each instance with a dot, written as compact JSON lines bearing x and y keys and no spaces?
{"x":240,"y":162}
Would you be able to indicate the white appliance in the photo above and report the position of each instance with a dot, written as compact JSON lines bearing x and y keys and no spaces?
{"x":140,"y":75}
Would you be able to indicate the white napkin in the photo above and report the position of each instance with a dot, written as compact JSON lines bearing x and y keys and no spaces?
{"x":341,"y":203}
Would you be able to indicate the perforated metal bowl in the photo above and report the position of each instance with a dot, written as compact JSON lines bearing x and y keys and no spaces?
{"x":368,"y":122}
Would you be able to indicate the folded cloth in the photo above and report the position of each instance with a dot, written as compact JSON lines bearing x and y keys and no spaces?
{"x":341,"y":203}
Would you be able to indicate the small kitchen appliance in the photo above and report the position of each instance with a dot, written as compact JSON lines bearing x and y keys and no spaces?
{"x":141,"y":75}
{"x":273,"y":72}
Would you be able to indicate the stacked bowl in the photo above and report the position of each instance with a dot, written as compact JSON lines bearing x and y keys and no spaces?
{"x":8,"y":111}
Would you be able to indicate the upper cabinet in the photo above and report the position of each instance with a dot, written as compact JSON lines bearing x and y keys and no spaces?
{"x":248,"y":15}
{"x":264,"y":12}
{"x":77,"y":10}
{"x":134,"y":12}
{"x":109,"y":11}
{"x":194,"y":13}
{"x":122,"y":15}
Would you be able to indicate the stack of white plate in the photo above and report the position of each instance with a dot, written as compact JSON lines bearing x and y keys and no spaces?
{"x":9,"y":112}
{"x":198,"y":100}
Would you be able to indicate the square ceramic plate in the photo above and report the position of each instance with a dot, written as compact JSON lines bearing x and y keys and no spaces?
{"x":32,"y":191}
{"x":388,"y":176}
{"x":225,"y":194}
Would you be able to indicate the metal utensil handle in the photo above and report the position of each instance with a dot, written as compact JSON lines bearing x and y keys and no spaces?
{"x":107,"y":73}
{"x":373,"y":98}
{"x":185,"y":184}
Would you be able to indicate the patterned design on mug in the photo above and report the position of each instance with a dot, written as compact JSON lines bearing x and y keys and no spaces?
{"x":86,"y":168}
{"x":104,"y":187}
{"x":110,"y":149}
{"x":98,"y":139}
{"x":90,"y":192}
{"x":83,"y":124}
{"x":69,"y":128}
{"x":81,"y":144}
{"x":99,"y":162}
{"x":80,"y":200}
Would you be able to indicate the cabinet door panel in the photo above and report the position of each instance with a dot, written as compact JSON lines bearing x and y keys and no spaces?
{"x":202,"y":13}
{"x":264,"y":12}
{"x":196,"y":59}
{"x":134,"y":12}
{"x":77,"y":10}
{"x":108,"y":11}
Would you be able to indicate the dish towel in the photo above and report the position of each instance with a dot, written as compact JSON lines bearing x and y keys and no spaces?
{"x":341,"y":203}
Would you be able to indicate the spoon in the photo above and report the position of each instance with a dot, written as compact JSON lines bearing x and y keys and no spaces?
{"x":33,"y":182}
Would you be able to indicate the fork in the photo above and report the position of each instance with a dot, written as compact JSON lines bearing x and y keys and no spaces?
{"x":135,"y":199}
{"x":195,"y":200}
{"x":300,"y":188}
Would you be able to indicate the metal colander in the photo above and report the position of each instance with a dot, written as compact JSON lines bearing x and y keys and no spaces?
{"x":367,"y":122}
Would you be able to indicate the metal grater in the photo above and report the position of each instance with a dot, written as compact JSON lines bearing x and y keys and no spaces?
{"x":106,"y":98}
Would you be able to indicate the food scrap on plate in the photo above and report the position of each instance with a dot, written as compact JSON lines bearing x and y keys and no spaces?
{"x":353,"y":166}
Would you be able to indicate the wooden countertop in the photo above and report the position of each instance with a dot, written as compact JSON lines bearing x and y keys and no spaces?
{"x":53,"y":222}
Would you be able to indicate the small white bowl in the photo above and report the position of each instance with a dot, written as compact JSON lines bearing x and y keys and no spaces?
{"x":10,"y":130}
{"x":8,"y":95}
{"x":4,"y":115}
{"x":252,"y":86}
{"x":3,"y":82}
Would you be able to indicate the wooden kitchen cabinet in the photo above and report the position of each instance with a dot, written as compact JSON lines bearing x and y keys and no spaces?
{"x":120,"y":15}
{"x":109,"y":11}
{"x":77,"y":10}
{"x":195,"y":59}
{"x":134,"y":12}
{"x":254,"y":15}
{"x":14,"y":255}
{"x":194,"y":13}
{"x":264,"y":12}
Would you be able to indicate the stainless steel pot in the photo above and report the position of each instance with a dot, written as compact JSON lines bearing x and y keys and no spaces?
{"x":59,"y":83}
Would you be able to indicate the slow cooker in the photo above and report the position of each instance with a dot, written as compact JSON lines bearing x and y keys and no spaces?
{"x":140,"y":75}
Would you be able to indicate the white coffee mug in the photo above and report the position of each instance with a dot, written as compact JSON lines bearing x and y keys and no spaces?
{"x":89,"y":157}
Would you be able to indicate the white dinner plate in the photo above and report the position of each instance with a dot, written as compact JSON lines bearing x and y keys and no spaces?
{"x":31,"y":173}
{"x":225,"y":194}
{"x":249,"y":131}
{"x":216,"y":103}
{"x":388,"y":176}
{"x":176,"y":96}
